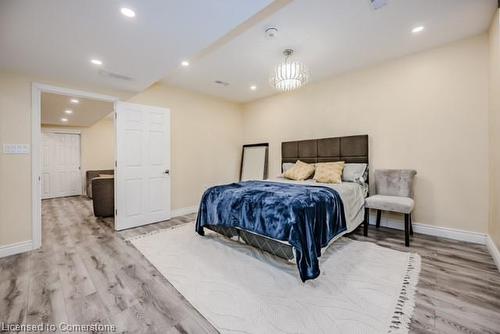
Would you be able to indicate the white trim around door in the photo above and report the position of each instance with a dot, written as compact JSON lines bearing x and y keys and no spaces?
{"x":36,"y":133}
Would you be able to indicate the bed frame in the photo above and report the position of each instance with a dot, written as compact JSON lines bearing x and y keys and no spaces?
{"x":351,"y":149}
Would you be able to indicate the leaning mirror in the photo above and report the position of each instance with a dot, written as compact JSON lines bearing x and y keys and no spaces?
{"x":254,"y":162}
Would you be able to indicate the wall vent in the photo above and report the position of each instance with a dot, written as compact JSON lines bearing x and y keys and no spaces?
{"x":222,"y":83}
{"x":112,"y":75}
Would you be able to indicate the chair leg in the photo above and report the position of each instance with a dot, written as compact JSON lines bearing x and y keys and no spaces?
{"x":407,"y":230}
{"x":365,"y":225}
{"x":379,"y":213}
{"x":411,"y":225}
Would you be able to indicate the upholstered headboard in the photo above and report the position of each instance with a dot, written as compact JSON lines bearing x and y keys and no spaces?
{"x":349,"y":149}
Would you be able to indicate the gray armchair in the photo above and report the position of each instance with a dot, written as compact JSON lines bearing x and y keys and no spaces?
{"x":394,"y":192}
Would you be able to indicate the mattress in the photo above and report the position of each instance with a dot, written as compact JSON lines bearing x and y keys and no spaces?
{"x":352,"y":194}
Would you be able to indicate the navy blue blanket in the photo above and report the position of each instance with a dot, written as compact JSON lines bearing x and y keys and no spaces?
{"x":308,"y":217}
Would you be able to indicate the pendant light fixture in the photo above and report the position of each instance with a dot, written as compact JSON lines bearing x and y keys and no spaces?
{"x":289,"y":75}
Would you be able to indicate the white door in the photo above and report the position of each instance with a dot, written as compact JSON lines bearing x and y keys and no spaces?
{"x":61,"y":174}
{"x":142,"y":183}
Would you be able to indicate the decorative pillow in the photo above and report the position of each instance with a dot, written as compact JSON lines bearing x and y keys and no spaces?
{"x":329,"y":172}
{"x":354,"y":172}
{"x":287,"y":165}
{"x":300,"y":171}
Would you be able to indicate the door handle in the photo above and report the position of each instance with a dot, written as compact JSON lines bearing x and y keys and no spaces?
{"x":167,"y":171}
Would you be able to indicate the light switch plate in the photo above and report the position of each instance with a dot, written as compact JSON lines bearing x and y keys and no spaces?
{"x":16,"y":148}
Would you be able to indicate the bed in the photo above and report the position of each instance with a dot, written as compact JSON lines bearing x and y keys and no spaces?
{"x":338,"y":209}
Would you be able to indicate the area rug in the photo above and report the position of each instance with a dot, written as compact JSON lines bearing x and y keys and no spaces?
{"x":363,"y":288}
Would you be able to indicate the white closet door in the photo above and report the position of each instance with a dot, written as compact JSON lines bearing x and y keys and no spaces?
{"x":61,"y":165}
{"x":142,"y":183}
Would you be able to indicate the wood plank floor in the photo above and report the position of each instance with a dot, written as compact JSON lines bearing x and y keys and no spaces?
{"x":86,"y":273}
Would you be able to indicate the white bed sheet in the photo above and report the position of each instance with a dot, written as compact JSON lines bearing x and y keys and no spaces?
{"x":352,"y":194}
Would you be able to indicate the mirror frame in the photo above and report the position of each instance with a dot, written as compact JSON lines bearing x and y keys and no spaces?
{"x":266,"y":158}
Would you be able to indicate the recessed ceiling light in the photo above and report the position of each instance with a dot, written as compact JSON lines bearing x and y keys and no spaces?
{"x":96,"y":62}
{"x":418,"y":29}
{"x":74,"y":101}
{"x":185,"y":63}
{"x":64,"y":119}
{"x":68,"y":111}
{"x":127,"y":12}
{"x":253,"y":87}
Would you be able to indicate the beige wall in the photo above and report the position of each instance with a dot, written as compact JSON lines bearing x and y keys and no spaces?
{"x":206,"y":146}
{"x":494,"y":122}
{"x":427,"y":111}
{"x":98,"y":145}
{"x":15,"y":170}
{"x":206,"y":140}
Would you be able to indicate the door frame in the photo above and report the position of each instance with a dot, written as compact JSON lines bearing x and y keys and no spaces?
{"x":36,"y":134}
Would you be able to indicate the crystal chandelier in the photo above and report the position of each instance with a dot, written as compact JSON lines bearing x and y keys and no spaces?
{"x":289,"y":75}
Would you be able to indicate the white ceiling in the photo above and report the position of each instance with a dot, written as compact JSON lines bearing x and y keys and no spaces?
{"x":224,"y":39}
{"x":85,"y":113}
{"x":331,"y":36}
{"x":55,"y":39}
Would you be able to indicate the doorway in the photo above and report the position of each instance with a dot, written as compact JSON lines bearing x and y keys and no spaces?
{"x":140,"y":161}
{"x":56,"y":151}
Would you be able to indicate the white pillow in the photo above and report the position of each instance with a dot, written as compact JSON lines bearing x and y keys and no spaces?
{"x":287,"y":165}
{"x":355,"y":172}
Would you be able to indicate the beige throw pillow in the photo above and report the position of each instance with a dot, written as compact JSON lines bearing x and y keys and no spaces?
{"x":329,"y":172}
{"x":301,"y":171}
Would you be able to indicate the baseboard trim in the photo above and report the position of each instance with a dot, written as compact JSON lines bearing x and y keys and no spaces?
{"x":16,"y":248}
{"x":437,"y":231}
{"x":493,"y":249}
{"x":184,"y":211}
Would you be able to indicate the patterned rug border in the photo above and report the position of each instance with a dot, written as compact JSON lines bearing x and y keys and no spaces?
{"x":405,"y":306}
